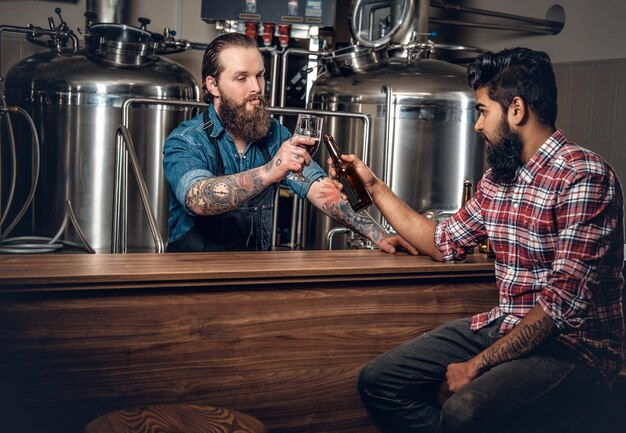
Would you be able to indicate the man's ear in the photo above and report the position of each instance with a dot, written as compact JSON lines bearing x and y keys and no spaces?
{"x":211,"y":85}
{"x":518,"y":111}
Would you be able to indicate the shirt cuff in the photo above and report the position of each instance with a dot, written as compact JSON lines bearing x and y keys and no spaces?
{"x":186,"y":182}
{"x":313,"y":172}
{"x":553,"y":305}
{"x":445,"y":246}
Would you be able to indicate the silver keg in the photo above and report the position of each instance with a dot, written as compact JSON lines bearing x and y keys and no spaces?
{"x":76,"y":100}
{"x":422,"y":142}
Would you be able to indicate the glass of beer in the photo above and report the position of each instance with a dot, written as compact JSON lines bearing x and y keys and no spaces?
{"x":310,"y":126}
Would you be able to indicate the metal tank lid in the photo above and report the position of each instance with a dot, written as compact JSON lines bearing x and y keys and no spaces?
{"x":88,"y":79}
{"x":415,"y":80}
{"x":121,"y":45}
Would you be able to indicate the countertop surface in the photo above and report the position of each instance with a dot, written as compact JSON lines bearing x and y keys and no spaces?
{"x":21,"y":272}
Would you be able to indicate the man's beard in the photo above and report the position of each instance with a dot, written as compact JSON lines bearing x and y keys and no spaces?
{"x":504,"y":154}
{"x":243,"y":123}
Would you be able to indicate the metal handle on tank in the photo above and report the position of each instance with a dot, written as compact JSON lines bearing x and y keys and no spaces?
{"x":120,"y":218}
{"x":389,"y":136}
{"x":143,"y":189}
{"x":389,"y":145}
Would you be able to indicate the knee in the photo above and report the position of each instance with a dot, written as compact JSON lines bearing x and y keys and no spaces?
{"x":368,"y":379}
{"x":462,"y":413}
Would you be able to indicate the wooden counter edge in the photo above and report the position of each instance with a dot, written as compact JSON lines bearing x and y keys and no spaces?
{"x":42,"y":273}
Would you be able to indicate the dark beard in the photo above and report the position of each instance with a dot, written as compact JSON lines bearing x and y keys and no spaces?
{"x":244,"y":124}
{"x":505,"y":154}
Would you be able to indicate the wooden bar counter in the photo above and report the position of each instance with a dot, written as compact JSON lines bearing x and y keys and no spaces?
{"x":279,"y":335}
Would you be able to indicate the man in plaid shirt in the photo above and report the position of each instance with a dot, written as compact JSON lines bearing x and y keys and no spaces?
{"x":553,"y":212}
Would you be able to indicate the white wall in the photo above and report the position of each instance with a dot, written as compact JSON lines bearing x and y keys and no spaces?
{"x":180,"y":15}
{"x":594,"y":29}
{"x":183,"y":16}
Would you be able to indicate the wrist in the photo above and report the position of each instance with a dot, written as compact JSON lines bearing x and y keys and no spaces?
{"x":376,"y":188}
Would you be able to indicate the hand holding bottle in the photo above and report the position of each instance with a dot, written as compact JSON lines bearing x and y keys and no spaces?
{"x":346,"y":174}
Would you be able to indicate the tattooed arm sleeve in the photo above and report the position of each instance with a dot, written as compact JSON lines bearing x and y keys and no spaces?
{"x":221,"y":194}
{"x":326,"y":197}
{"x":534,"y":329}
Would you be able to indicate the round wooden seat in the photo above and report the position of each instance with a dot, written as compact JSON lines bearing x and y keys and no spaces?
{"x":175,"y":418}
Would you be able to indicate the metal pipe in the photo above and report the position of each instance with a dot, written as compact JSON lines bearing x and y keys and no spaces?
{"x":109,"y":11}
{"x":545,"y":26}
{"x":143,"y":190}
{"x":389,"y":136}
{"x":274,"y":80}
{"x":120,"y":216}
{"x":283,"y":73}
{"x":365,"y":157}
{"x":526,"y":29}
{"x":38,"y":31}
{"x":389,"y":146}
{"x":422,"y":19}
{"x":69,"y":213}
{"x":459,"y":8}
{"x":331,"y":234}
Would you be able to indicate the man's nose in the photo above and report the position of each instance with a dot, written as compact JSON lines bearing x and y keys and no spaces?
{"x":255,"y":86}
{"x":478,"y":126}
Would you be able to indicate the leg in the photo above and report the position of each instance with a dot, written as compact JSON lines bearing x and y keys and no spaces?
{"x":399,"y":387}
{"x":543,"y":390}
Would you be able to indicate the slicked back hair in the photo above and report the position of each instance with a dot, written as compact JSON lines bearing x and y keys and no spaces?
{"x":518,"y":72}
{"x":212,"y":64}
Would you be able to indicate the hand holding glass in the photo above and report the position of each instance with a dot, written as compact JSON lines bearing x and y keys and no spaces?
{"x":309,"y":126}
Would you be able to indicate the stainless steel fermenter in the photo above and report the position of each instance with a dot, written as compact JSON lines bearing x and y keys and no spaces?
{"x":76,"y":101}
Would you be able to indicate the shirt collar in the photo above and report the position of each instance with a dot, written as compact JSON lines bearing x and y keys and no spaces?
{"x":217,"y":124}
{"x":542,"y":157}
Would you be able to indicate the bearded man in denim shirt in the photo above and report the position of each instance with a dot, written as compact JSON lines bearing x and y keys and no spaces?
{"x":223,"y":166}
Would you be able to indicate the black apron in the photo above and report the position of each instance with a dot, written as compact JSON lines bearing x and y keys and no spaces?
{"x":246,"y":228}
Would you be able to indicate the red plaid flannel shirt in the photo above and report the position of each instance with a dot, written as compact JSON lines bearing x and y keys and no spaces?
{"x":557,"y":232}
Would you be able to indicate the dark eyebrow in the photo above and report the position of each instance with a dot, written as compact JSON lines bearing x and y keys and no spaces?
{"x":479,"y":106}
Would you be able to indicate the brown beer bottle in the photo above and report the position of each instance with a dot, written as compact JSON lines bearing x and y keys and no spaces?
{"x":467,"y":195}
{"x":467,"y":191}
{"x":347,"y":175}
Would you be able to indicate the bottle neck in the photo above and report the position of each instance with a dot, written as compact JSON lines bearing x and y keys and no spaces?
{"x":333,"y":149}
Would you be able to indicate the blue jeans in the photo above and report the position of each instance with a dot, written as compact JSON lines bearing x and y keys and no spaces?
{"x":399,"y":388}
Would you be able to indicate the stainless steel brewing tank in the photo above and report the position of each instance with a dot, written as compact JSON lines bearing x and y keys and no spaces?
{"x":76,"y":102}
{"x":432,"y":119}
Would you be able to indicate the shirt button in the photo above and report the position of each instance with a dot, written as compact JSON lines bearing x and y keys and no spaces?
{"x":515,"y":205}
{"x":504,"y":300}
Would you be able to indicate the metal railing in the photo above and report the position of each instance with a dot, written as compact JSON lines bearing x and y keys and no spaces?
{"x":125,"y":151}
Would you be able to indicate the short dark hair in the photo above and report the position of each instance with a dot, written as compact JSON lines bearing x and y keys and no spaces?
{"x":518,"y":72}
{"x":211,"y":63}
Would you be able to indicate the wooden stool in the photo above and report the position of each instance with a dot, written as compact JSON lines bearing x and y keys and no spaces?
{"x":175,"y":418}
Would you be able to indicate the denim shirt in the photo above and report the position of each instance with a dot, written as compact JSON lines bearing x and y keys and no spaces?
{"x":188,"y":157}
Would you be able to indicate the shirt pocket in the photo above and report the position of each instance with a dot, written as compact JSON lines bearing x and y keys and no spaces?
{"x":541,"y":232}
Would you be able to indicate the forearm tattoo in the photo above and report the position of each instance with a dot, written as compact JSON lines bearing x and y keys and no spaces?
{"x":340,"y":210}
{"x":217,"y":195}
{"x":521,"y":341}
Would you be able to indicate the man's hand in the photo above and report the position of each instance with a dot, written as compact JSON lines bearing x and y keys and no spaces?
{"x":460,"y":374}
{"x":392,"y":242}
{"x":291,"y":157}
{"x":367,"y":176}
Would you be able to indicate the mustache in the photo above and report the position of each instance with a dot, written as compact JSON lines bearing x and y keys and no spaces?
{"x":257,"y":97}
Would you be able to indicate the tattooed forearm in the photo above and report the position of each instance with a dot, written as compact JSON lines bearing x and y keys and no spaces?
{"x":520,"y":341}
{"x":332,"y":204}
{"x":217,"y":195}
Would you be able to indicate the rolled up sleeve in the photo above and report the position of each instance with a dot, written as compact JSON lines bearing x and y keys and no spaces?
{"x":184,"y":164}
{"x":587,"y":216}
